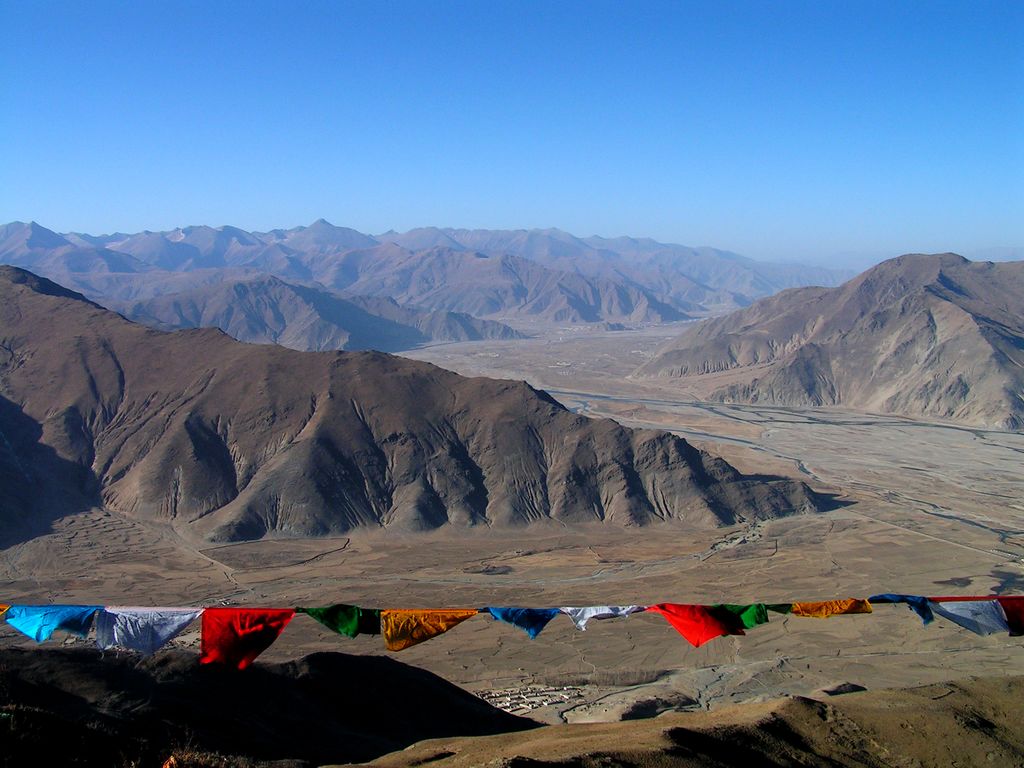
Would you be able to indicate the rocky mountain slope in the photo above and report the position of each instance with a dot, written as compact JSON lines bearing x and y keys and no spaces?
{"x":935,"y":336}
{"x":232,"y":441}
{"x":267,"y":310}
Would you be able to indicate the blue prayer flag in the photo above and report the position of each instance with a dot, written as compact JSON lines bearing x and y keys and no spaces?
{"x":917,"y":604}
{"x":530,"y":620}
{"x":40,"y":621}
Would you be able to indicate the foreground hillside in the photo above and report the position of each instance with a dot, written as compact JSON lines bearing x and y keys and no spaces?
{"x":935,"y":336}
{"x":83,"y":707}
{"x":973,"y":723}
{"x":232,"y":441}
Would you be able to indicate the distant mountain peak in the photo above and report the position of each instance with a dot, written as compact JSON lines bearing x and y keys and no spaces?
{"x":35,"y":235}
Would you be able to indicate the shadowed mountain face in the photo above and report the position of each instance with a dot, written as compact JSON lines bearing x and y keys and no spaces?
{"x":267,"y":310}
{"x":541,"y":274}
{"x":934,"y":336}
{"x":232,"y":441}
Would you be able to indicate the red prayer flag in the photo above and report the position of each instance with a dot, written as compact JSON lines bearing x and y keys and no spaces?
{"x":1013,"y":607}
{"x":697,"y":623}
{"x":236,"y":636}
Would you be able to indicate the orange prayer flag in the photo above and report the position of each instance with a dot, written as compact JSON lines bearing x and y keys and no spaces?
{"x":3,"y":608}
{"x":828,"y":608}
{"x":405,"y":628}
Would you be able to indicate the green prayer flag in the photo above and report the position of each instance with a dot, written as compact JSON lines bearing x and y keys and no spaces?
{"x":749,"y":615}
{"x":350,"y":620}
{"x":780,"y":607}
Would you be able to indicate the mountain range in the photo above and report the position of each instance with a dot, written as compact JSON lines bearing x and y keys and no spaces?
{"x":229,"y":441}
{"x":923,"y":335}
{"x":540,"y":274}
{"x":683,"y":276}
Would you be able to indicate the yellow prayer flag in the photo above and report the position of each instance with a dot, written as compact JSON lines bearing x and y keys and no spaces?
{"x":404,"y":628}
{"x":828,"y":608}
{"x":3,"y":609}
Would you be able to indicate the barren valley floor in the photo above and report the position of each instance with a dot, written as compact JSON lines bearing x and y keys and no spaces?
{"x":926,"y":508}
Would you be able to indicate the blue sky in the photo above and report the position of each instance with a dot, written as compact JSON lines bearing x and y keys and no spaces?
{"x":819,"y":131}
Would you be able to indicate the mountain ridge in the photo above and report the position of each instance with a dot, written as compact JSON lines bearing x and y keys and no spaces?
{"x":228,"y":441}
{"x":922,"y":335}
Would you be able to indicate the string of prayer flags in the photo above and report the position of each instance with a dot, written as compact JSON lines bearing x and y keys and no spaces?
{"x":582,"y":614}
{"x":826,"y":608}
{"x":982,"y":616}
{"x":144,"y":630}
{"x":40,"y":621}
{"x":917,"y":603}
{"x":349,"y":620}
{"x":700,"y":623}
{"x":405,"y":628}
{"x":530,"y":620}
{"x":236,"y":636}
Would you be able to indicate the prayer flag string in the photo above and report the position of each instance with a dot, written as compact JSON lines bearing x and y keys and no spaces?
{"x":235,"y":636}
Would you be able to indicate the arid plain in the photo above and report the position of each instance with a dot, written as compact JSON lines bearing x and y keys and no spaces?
{"x":923,"y":508}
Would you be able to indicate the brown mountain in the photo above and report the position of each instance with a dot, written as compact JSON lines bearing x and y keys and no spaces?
{"x":935,"y":336}
{"x":233,"y":441}
{"x":267,"y":310}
